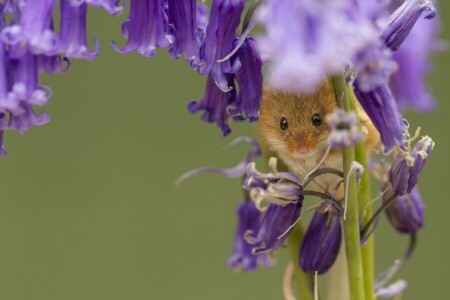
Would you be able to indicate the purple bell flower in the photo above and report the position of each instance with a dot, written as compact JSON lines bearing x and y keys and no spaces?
{"x":182,"y":24}
{"x":23,"y":92}
{"x":305,"y":41}
{"x":33,"y":32}
{"x":405,"y":169}
{"x":145,"y":28}
{"x":249,"y":78}
{"x":406,"y":212}
{"x":280,"y":188}
{"x":284,"y":192}
{"x":276,"y":224}
{"x":111,"y":6}
{"x":413,"y":59}
{"x":380,"y":106}
{"x":402,"y":21}
{"x":220,"y":34}
{"x":373,"y":67}
{"x":215,"y":104}
{"x":53,"y":64}
{"x":72,"y":34}
{"x":321,"y":243}
{"x":242,"y":257}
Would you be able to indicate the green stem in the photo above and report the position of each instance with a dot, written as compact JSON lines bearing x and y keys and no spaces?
{"x":304,"y":283}
{"x":365,"y":209}
{"x":351,"y":223}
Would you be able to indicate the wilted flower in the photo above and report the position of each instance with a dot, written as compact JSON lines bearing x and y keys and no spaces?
{"x":407,"y":166}
{"x":280,"y":188}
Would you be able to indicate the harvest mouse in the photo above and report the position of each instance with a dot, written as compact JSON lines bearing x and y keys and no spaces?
{"x":293,"y":125}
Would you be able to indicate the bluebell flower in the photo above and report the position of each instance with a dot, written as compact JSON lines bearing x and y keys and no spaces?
{"x":72,"y":33}
{"x":402,"y":21}
{"x":280,"y":188}
{"x":242,"y":257}
{"x":413,"y":60}
{"x":145,"y":28}
{"x":305,"y":41}
{"x":275,"y":226}
{"x":406,"y":213}
{"x":284,"y":192}
{"x":23,"y":91}
{"x":373,"y":67}
{"x":321,"y":242}
{"x":250,"y":79}
{"x":216,"y":104}
{"x":114,"y":7}
{"x":33,"y":31}
{"x":220,"y":33}
{"x":54,"y":64}
{"x":407,"y":165}
{"x":183,"y":26}
{"x":343,"y":129}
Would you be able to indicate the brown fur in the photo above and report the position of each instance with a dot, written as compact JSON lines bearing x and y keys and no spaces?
{"x":301,"y":134}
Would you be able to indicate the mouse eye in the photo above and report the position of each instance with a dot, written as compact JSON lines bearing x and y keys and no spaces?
{"x":316,"y":120}
{"x":283,"y":123}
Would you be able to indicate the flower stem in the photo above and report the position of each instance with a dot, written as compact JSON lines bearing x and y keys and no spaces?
{"x":304,"y":283}
{"x":365,"y":210}
{"x":351,"y":223}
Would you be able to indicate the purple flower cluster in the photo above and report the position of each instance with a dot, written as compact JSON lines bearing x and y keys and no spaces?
{"x":233,"y":85}
{"x":332,"y":35}
{"x":29,"y":46}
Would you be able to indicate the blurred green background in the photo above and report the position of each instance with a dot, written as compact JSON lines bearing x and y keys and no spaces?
{"x":89,"y":209}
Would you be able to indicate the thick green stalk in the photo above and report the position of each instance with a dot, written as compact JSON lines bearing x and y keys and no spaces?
{"x":364,"y":197}
{"x":351,"y":223}
{"x":365,"y":209}
{"x":304,"y":282}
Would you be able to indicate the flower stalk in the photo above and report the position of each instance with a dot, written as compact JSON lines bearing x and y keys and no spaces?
{"x":303,"y":279}
{"x":351,"y":223}
{"x":365,"y":211}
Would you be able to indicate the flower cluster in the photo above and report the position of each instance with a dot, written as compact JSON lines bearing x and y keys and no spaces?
{"x":285,"y":193}
{"x":29,"y":45}
{"x":234,"y":83}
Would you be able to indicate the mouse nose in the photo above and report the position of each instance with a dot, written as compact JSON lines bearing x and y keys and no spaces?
{"x":301,"y":149}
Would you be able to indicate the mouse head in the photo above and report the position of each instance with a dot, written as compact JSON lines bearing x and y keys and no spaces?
{"x":293,"y":125}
